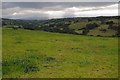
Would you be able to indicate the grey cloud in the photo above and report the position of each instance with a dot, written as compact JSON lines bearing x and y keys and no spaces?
{"x":60,"y":1}
{"x":39,"y":9}
{"x":32,"y":16}
{"x":53,"y":5}
{"x":28,"y":16}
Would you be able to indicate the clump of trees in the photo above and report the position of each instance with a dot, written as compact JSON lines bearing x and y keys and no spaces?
{"x":57,"y":27}
{"x":113,"y":26}
{"x":103,"y":30}
{"x":89,"y":27}
{"x":109,"y":22}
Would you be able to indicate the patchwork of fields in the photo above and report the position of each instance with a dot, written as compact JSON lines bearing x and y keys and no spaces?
{"x":40,"y":54}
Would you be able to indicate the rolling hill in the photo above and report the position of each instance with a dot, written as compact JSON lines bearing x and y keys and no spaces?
{"x":40,"y":54}
{"x":92,"y":26}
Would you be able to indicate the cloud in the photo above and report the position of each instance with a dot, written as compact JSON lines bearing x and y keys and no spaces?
{"x":30,"y":16}
{"x":53,"y":5}
{"x":49,"y":10}
{"x":55,"y":14}
{"x":60,"y":1}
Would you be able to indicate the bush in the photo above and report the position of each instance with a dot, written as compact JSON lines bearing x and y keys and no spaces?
{"x":103,"y":30}
{"x":30,"y":68}
{"x":91,"y":26}
{"x":15,"y":28}
{"x":49,"y":59}
{"x":90,"y":35}
{"x":99,"y":35}
{"x":85,"y":31}
{"x":109,"y":22}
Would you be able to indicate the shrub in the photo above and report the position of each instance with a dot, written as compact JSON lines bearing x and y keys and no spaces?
{"x":90,"y":35}
{"x":91,"y":26}
{"x":85,"y":31}
{"x":15,"y":28}
{"x":109,"y":22}
{"x":99,"y":35}
{"x":49,"y":59}
{"x":103,"y":30}
{"x":30,"y":68}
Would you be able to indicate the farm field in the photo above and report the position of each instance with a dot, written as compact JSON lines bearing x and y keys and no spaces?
{"x":40,"y":54}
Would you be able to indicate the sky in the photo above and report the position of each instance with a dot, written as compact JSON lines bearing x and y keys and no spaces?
{"x":50,"y":10}
{"x":60,"y":0}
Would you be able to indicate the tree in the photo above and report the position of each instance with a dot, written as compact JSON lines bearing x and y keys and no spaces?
{"x":91,"y":26}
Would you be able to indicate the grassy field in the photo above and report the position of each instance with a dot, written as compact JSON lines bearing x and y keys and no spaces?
{"x":39,"y":54}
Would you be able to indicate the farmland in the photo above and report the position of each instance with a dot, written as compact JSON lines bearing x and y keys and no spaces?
{"x":40,"y":54}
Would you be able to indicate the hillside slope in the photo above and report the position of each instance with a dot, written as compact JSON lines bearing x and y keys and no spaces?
{"x":40,"y":54}
{"x":92,"y":26}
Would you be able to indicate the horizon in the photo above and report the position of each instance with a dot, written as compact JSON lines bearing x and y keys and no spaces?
{"x":62,"y":18}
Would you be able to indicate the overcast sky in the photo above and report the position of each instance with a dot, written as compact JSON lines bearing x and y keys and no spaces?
{"x":49,"y":10}
{"x":60,"y":0}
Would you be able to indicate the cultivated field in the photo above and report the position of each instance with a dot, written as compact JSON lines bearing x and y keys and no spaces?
{"x":40,"y":54}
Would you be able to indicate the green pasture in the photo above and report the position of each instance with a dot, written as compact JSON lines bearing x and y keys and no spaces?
{"x":40,"y":54}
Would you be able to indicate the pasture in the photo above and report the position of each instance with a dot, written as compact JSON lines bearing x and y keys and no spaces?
{"x":40,"y":54}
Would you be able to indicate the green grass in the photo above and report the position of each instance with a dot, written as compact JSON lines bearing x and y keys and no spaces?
{"x":77,"y":25}
{"x":96,"y":31}
{"x":82,"y":24}
{"x":39,"y":54}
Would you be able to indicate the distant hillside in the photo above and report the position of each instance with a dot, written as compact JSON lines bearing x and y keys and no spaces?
{"x":92,"y":26}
